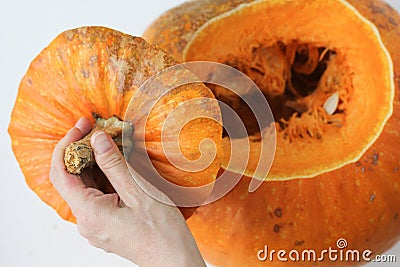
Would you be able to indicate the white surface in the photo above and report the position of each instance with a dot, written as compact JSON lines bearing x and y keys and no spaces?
{"x":31,"y":234}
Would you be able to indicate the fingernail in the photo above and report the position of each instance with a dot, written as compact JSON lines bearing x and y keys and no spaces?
{"x":101,"y":142}
{"x":79,"y":123}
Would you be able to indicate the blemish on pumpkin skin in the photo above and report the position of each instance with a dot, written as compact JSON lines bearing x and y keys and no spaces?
{"x":299,"y":243}
{"x":276,"y":228}
{"x":93,"y":60}
{"x":384,"y":26}
{"x":29,"y":81}
{"x":372,"y":197}
{"x":85,"y":73}
{"x":393,"y":22}
{"x":374,"y":159}
{"x":396,"y":216}
{"x":395,"y":170}
{"x":278,"y":212}
{"x":376,"y":9}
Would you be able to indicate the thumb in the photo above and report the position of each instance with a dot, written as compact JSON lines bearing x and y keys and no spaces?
{"x":114,"y":166}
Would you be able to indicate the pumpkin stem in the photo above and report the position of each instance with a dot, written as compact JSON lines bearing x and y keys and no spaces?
{"x":79,"y":155}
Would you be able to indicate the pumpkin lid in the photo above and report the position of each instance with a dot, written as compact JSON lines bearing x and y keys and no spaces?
{"x":331,"y":94}
{"x":96,"y":70}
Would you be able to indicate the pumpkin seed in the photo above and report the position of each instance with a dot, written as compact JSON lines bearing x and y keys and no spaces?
{"x":331,"y":103}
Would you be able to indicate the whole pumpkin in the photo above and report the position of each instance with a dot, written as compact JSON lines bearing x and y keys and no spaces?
{"x":356,"y":198}
{"x":96,"y":70}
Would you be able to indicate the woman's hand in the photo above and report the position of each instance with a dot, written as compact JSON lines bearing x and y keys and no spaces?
{"x":129,"y":222}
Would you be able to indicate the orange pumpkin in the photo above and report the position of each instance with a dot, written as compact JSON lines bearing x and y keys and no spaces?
{"x":345,"y":140}
{"x":96,"y":70}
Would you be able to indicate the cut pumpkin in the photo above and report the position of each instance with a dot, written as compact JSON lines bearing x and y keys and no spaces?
{"x":96,"y":70}
{"x":299,"y":67}
{"x":348,"y":143}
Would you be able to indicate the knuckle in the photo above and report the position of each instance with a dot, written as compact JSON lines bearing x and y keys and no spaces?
{"x":87,"y":227}
{"x":84,"y":219}
{"x":86,"y":222}
{"x":111,"y":161}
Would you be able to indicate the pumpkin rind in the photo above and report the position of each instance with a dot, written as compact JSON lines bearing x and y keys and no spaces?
{"x":359,"y":202}
{"x":175,"y":28}
{"x":94,"y":70}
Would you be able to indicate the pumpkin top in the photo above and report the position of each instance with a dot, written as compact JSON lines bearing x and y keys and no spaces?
{"x":96,"y":70}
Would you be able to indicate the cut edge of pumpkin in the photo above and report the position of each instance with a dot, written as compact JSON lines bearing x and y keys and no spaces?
{"x":377,"y":130}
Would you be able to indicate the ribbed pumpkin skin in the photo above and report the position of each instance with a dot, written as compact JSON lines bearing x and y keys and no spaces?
{"x":174,"y":28}
{"x":359,"y":202}
{"x":97,"y":70}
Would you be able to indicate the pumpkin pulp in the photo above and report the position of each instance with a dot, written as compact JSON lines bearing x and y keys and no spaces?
{"x":301,"y":82}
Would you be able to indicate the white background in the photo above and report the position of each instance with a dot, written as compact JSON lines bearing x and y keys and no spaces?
{"x":31,"y":234}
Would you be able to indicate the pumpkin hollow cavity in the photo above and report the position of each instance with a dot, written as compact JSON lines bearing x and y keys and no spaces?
{"x":330,"y":88}
{"x":307,"y":87}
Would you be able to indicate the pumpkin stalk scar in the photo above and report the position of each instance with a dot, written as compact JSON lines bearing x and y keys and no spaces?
{"x":79,"y":155}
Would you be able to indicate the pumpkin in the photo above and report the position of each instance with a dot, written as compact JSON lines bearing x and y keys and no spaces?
{"x":346,"y":148}
{"x":96,"y":70}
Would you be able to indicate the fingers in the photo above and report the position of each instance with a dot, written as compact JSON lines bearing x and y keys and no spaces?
{"x":114,"y":166}
{"x":69,"y":186}
{"x":82,"y":127}
{"x":88,"y":178}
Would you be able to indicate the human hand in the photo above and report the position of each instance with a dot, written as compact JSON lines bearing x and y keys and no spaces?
{"x":129,"y":223}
